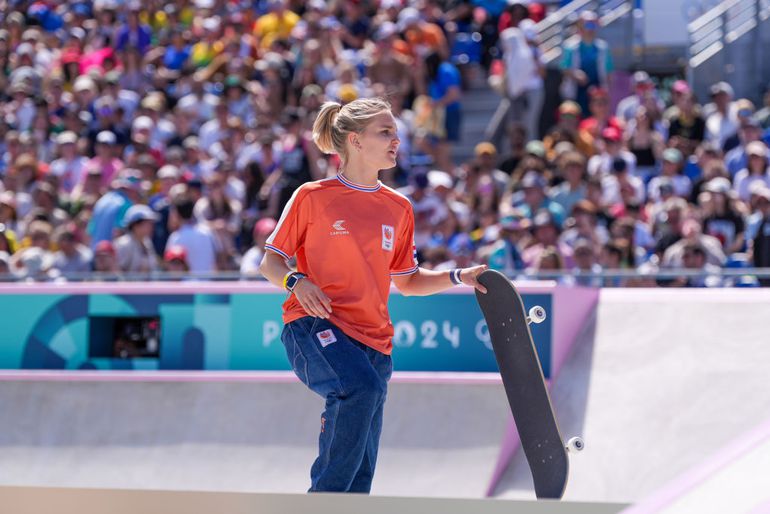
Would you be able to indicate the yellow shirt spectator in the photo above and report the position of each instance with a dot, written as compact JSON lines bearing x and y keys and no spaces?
{"x":275,"y":25}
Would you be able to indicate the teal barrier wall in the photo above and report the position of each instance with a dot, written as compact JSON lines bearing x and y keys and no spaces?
{"x":238,"y":331}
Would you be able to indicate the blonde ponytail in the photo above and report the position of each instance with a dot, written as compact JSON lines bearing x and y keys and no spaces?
{"x":324,"y":129}
{"x":334,"y":122}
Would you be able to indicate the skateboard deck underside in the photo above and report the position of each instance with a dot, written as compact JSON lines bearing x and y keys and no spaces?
{"x":524,"y":384}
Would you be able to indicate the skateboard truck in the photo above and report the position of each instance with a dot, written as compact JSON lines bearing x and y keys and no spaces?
{"x":537,"y":315}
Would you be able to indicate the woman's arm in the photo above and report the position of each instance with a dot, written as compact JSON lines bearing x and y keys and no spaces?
{"x":426,"y":282}
{"x":310,"y":296}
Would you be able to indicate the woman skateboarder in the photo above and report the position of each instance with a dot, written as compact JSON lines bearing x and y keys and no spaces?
{"x":351,"y":235}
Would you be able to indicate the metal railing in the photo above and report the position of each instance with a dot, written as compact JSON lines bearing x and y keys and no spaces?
{"x":717,"y":49}
{"x":558,"y":28}
{"x":607,"y":277}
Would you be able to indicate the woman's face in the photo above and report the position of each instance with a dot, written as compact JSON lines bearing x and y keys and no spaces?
{"x":379,"y":142}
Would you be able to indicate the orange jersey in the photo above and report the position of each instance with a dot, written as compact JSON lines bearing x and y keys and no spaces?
{"x":349,"y":240}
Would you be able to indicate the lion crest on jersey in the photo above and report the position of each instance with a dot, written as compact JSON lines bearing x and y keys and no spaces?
{"x":387,"y":238}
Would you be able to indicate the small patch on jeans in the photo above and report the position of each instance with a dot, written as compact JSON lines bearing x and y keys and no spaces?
{"x":323,"y":424}
{"x":326,"y":337}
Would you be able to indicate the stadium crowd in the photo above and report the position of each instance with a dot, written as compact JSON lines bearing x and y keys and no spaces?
{"x":139,"y":137}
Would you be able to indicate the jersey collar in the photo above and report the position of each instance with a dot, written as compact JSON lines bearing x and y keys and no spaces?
{"x":358,"y":187}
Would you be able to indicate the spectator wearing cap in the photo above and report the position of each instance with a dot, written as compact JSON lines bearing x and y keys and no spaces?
{"x":585,"y":63}
{"x":590,"y":129}
{"x":505,"y":253}
{"x":546,"y":231}
{"x":105,"y":262}
{"x":643,"y":95}
{"x":684,"y":119}
{"x":721,"y":122}
{"x":737,"y":159}
{"x":743,"y":110}
{"x":611,"y":148}
{"x":253,"y":257}
{"x":486,"y":165}
{"x":724,"y":219}
{"x":587,"y":268}
{"x":566,"y":128}
{"x":201,"y":245}
{"x":571,"y":167}
{"x":756,"y":171}
{"x":110,"y":209}
{"x":72,"y":256}
{"x":678,"y":88}
{"x":105,"y":158}
{"x":535,"y":200}
{"x":134,"y":249}
{"x":671,"y":170}
{"x":70,"y":167}
{"x":620,"y":184}
{"x":175,"y":260}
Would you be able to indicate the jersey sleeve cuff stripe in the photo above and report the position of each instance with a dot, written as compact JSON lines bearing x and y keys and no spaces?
{"x":277,"y":250}
{"x":404,"y":272}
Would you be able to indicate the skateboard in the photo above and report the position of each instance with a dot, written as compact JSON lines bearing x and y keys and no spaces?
{"x":524,"y":383}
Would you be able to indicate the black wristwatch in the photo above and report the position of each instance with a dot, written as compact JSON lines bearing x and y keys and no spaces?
{"x":291,"y":282}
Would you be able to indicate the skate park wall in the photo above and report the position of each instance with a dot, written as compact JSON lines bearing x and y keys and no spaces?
{"x":656,"y":382}
{"x":237,"y":326}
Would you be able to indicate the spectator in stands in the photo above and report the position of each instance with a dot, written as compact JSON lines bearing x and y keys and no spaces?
{"x":445,"y":93}
{"x":692,"y":232}
{"x":505,"y":254}
{"x":590,"y":129}
{"x":643,"y":95}
{"x":72,"y":257}
{"x":724,"y":220}
{"x":105,"y":261}
{"x":586,"y":265}
{"x":111,"y":208}
{"x":253,"y":257}
{"x":587,"y":63}
{"x":756,"y":171}
{"x":571,"y":166}
{"x":721,"y":122}
{"x":645,"y":143}
{"x":134,"y":250}
{"x":175,"y":260}
{"x":670,"y":172}
{"x":684,"y":118}
{"x":535,"y":200}
{"x":737,"y":159}
{"x":609,"y":148}
{"x":545,"y":231}
{"x":196,"y":238}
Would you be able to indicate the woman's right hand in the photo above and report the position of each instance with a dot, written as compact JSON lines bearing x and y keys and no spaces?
{"x":312,"y":299}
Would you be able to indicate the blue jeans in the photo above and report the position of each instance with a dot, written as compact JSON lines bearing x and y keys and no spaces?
{"x":353,"y":379}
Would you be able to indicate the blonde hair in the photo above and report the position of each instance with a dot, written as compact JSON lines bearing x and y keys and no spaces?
{"x":335,"y":121}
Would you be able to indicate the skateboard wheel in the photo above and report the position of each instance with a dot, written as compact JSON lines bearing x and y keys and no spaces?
{"x":536,"y":314}
{"x":576,"y":444}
